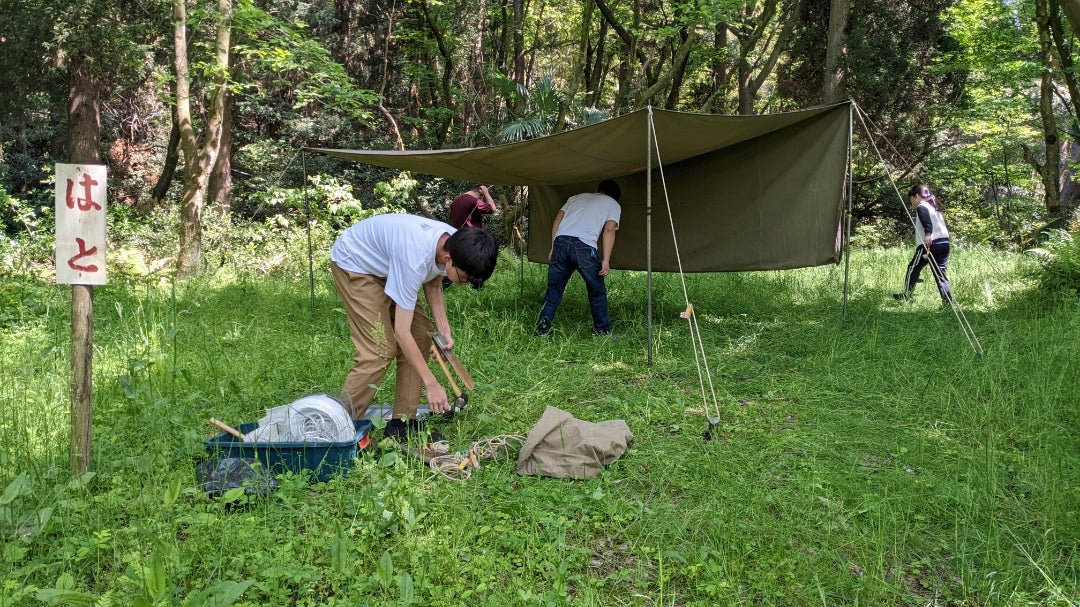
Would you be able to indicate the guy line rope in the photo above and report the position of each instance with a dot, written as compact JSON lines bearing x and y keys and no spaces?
{"x":712,"y":412}
{"x":957,"y":310}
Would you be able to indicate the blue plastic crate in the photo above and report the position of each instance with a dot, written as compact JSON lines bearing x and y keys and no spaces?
{"x":321,"y":460}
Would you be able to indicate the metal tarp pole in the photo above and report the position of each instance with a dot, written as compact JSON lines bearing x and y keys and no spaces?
{"x":849,"y":178}
{"x":310,"y":246}
{"x":648,"y":226}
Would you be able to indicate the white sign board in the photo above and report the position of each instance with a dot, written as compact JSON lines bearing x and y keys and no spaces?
{"x":80,"y":224}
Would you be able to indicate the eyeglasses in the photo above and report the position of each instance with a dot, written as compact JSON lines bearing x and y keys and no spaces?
{"x":461,"y":278}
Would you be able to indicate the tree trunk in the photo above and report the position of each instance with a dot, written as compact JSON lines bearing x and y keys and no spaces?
{"x":595,"y":83}
{"x":759,"y":53}
{"x":583,"y":58}
{"x":219,"y":188}
{"x":84,"y":120}
{"x":1071,"y":8}
{"x":518,"y":29}
{"x":719,"y":73}
{"x":833,"y":88}
{"x":198,"y":162}
{"x":678,"y":68}
{"x":626,"y":74}
{"x":1068,"y":69}
{"x":1050,"y":169}
{"x":671,"y":78}
{"x":84,"y":114}
{"x":1070,"y":189}
{"x":172,"y":158}
{"x":448,"y":67}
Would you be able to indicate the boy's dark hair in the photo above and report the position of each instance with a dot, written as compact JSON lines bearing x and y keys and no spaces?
{"x":609,"y":187}
{"x":474,"y":252}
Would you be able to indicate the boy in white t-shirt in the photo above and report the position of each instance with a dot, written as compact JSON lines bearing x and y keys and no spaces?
{"x":579,"y":225}
{"x":379,"y":266}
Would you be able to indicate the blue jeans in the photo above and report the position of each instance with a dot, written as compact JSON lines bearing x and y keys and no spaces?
{"x":567,"y":255}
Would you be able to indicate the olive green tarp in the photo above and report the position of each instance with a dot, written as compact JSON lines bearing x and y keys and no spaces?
{"x":761,"y":192}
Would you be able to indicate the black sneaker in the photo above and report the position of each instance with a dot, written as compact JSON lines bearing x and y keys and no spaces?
{"x":397,"y":430}
{"x":901,"y":297}
{"x":403,"y":430}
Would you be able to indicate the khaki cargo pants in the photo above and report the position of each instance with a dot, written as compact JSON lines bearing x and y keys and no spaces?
{"x":371,"y":325}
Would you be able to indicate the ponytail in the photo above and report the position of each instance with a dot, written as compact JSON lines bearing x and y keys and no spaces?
{"x":924,"y":191}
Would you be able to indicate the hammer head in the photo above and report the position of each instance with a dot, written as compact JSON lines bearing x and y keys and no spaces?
{"x":440,"y":343}
{"x":448,"y":354}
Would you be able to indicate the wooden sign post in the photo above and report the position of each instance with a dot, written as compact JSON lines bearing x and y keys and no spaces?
{"x":80,"y":262}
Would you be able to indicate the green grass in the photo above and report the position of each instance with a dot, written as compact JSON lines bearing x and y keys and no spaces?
{"x":865,"y":455}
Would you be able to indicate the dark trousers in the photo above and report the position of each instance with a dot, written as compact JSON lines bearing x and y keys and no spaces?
{"x":939,"y":250}
{"x":568,"y":255}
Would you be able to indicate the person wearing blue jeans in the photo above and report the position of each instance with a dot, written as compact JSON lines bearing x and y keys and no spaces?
{"x":584,"y":221}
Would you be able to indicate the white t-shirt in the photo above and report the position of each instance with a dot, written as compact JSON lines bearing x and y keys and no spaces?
{"x":400,"y":248}
{"x":585,"y":216}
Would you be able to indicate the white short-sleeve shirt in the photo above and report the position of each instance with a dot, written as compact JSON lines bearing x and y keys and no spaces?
{"x":400,"y":248}
{"x":584,"y":216}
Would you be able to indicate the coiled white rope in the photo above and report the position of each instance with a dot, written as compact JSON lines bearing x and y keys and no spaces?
{"x":318,"y":418}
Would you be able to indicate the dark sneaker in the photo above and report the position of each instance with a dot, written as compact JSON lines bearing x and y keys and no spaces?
{"x":402,"y":430}
{"x":397,"y":430}
{"x":901,"y":297}
{"x":543,"y":328}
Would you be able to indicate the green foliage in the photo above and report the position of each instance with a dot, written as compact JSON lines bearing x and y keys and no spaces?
{"x":874,"y":233}
{"x":297,"y":62}
{"x":395,"y":193}
{"x":32,"y":234}
{"x":18,"y":215}
{"x":1059,"y":264}
{"x":28,"y":174}
{"x":997,"y":47}
{"x":544,"y":104}
{"x":325,"y":198}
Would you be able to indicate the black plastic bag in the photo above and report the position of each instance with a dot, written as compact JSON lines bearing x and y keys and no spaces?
{"x":216,"y":476}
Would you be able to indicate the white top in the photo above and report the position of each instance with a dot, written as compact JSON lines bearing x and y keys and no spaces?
{"x":400,"y":248}
{"x":586,"y":214}
{"x":927,"y":213}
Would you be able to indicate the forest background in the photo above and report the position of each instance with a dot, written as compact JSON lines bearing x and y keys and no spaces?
{"x":199,"y":108}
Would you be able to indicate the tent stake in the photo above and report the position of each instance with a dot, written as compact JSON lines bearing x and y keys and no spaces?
{"x":713,"y":430}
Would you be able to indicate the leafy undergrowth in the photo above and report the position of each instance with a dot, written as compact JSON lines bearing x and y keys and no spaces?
{"x":863,"y":452}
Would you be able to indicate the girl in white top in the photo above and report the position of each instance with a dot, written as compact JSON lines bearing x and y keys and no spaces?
{"x":931,"y":244}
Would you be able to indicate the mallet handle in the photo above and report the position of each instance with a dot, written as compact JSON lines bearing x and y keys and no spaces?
{"x":227,"y":428}
{"x":446,"y":370}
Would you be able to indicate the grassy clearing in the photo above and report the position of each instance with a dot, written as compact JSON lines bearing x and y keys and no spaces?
{"x":866,"y":457}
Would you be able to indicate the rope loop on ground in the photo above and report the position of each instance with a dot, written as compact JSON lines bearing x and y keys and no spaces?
{"x":460,"y":464}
